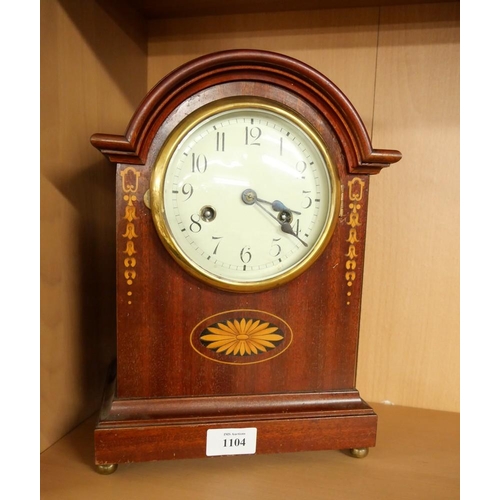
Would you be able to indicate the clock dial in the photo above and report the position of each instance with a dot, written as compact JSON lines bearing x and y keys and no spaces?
{"x":244,"y":195}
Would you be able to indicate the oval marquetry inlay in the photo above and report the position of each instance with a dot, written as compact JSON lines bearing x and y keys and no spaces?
{"x":241,"y":336}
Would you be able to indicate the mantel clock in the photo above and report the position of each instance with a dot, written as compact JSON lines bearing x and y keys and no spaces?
{"x":241,"y":206}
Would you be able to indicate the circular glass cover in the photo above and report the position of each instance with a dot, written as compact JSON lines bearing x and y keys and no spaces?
{"x":244,"y":195}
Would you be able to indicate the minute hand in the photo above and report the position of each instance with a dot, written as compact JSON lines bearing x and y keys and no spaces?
{"x":285,"y":226}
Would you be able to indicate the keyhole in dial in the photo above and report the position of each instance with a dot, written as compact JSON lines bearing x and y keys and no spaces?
{"x":208,"y":213}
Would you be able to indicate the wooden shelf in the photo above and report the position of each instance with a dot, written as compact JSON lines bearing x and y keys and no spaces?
{"x":159,"y":9}
{"x":417,"y":456}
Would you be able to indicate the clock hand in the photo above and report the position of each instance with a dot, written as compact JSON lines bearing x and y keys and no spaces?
{"x":285,"y":226}
{"x":249,"y":196}
{"x":278,"y":206}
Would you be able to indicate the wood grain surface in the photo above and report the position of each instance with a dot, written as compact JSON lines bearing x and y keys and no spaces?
{"x":409,"y":347}
{"x":94,"y":73}
{"x":158,"y":303}
{"x":399,"y":65}
{"x":155,"y":9}
{"x":416,"y":457}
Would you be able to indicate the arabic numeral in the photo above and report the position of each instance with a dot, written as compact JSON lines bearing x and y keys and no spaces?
{"x":252,"y":135}
{"x":307,"y":202}
{"x":301,"y":166}
{"x":245,"y":255}
{"x":220,"y":141}
{"x":187,"y":190}
{"x":296,"y":227}
{"x":195,"y":226}
{"x":199,"y":163}
{"x":275,"y":249}
{"x":217,"y":245}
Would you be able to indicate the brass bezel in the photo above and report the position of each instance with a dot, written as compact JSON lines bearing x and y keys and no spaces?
{"x":157,"y":189}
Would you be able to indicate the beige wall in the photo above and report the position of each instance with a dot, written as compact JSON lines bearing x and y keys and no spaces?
{"x":93,"y":75}
{"x":400,"y":68}
{"x":409,"y":352}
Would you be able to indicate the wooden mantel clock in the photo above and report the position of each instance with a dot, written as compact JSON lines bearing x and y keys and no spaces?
{"x":241,"y":205}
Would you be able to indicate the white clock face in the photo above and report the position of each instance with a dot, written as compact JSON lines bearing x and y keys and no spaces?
{"x":245,"y":196}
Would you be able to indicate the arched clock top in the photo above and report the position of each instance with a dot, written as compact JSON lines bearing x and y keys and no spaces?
{"x":275,"y":69}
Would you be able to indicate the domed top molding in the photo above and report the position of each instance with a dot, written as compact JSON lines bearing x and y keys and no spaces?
{"x":247,"y":65}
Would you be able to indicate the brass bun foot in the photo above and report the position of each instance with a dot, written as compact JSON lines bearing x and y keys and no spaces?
{"x":358,"y":452}
{"x":106,"y":469}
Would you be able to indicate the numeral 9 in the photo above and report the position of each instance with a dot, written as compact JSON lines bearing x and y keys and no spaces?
{"x":187,"y":190}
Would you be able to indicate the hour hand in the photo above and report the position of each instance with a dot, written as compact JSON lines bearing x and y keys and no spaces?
{"x":278,"y":206}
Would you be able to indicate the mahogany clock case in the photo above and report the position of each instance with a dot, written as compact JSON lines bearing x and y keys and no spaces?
{"x":170,"y":388}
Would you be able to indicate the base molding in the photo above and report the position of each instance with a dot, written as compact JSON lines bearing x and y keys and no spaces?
{"x":139,"y":430}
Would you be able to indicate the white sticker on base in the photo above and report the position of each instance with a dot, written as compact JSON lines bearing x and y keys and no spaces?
{"x":231,"y":441}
